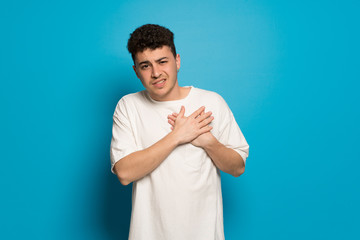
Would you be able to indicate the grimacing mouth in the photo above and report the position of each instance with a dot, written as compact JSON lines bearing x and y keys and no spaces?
{"x":159,"y":81}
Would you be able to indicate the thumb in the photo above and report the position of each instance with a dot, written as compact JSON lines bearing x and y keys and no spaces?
{"x":182,"y":111}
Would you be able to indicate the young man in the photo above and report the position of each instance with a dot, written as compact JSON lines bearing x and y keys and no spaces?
{"x":171,"y":142}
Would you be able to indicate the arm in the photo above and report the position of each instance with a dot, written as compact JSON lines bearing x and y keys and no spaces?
{"x":226,"y":159}
{"x":138,"y":164}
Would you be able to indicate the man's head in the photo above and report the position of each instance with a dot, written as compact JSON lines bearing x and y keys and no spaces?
{"x":155,"y":61}
{"x":150,"y":36}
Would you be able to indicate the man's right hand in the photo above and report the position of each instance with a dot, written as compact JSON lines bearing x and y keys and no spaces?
{"x":186,"y":129}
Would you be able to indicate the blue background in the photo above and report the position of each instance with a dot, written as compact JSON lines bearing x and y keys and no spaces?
{"x":289,"y":70}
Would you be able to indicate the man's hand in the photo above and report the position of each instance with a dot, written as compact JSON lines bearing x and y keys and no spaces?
{"x":226,"y":159}
{"x":203,"y":120}
{"x":186,"y":129}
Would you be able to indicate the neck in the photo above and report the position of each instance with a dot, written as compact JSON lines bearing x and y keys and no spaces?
{"x":176,"y":93}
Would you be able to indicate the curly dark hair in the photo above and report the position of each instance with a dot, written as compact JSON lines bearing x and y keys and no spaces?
{"x":150,"y":36}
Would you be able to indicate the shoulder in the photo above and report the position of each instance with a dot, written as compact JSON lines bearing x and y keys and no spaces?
{"x":130,"y":100}
{"x":214,"y":102}
{"x":131,"y":97}
{"x":209,"y":95}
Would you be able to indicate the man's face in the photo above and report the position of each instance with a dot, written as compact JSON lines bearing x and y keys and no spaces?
{"x":157,"y":70}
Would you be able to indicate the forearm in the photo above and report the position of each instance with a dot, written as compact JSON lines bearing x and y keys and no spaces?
{"x":139,"y":164}
{"x":226,"y":159}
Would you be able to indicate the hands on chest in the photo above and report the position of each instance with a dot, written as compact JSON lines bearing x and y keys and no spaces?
{"x":194,"y":129}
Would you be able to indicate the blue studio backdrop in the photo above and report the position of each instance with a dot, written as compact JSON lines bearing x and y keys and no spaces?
{"x":289,"y":71}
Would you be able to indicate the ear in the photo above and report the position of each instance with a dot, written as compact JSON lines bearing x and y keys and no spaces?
{"x":177,"y":60}
{"x":137,"y":75}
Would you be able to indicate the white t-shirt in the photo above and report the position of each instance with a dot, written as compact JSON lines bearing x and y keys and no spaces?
{"x":181,"y":199}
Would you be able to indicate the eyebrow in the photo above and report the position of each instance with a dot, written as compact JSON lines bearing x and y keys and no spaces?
{"x":158,"y":60}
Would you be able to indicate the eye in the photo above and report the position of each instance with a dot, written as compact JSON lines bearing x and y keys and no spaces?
{"x":163,"y":62}
{"x":144,"y":66}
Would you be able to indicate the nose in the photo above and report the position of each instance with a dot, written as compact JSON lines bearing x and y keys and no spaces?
{"x":155,"y":71}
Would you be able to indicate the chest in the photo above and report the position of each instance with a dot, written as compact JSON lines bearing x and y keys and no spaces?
{"x":150,"y":124}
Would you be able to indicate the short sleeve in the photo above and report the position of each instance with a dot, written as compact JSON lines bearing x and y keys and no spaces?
{"x":123,"y":140}
{"x":231,"y":135}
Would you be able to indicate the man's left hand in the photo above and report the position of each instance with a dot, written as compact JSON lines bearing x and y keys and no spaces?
{"x":202,"y":140}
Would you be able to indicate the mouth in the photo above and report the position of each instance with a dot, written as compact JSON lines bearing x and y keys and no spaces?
{"x":159,"y":83}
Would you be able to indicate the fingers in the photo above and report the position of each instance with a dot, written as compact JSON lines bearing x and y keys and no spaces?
{"x":200,"y":117}
{"x":172,"y":122}
{"x":205,"y":129}
{"x":199,"y":120}
{"x":203,"y":116}
{"x":202,"y":113}
{"x":182,"y":111}
{"x":172,"y":117}
{"x":197,"y":112}
{"x":206,"y":121}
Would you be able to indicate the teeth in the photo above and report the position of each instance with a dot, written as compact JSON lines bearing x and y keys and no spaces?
{"x":160,"y":81}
